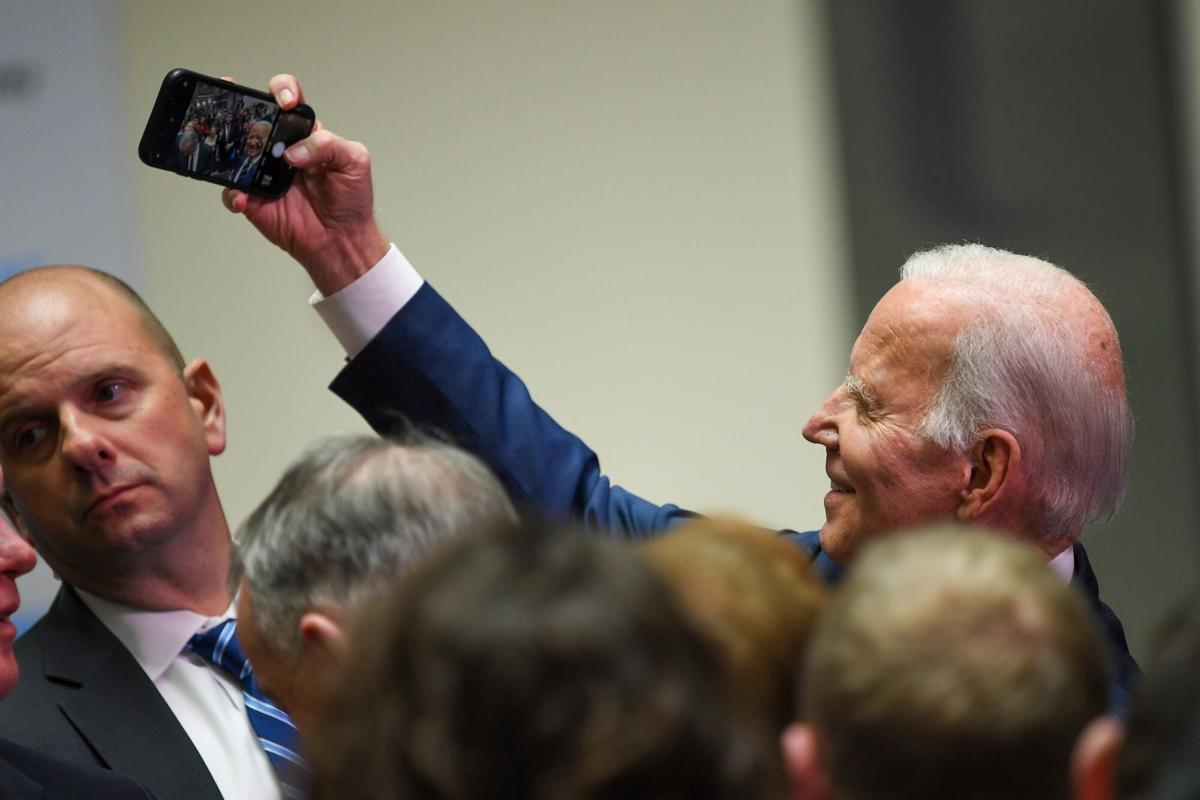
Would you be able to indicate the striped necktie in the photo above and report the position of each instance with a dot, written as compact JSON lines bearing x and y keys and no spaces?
{"x":219,"y":645}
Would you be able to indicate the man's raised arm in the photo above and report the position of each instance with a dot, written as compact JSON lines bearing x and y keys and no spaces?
{"x":412,"y":356}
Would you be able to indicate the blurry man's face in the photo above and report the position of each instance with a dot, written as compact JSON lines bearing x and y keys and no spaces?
{"x":187,"y":145}
{"x":297,"y":688}
{"x":884,"y":472}
{"x":270,"y":672}
{"x":256,"y":140}
{"x":16,"y":559}
{"x":104,"y":447}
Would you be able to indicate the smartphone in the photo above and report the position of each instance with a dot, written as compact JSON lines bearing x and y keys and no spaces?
{"x":213,"y":130}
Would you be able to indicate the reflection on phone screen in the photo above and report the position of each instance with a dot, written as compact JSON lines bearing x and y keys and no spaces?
{"x":229,"y":136}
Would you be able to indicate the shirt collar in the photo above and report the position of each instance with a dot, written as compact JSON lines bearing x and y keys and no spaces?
{"x":1064,"y":564}
{"x":153,"y":638}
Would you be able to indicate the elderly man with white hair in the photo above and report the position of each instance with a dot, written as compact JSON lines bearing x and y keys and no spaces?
{"x":985,"y":386}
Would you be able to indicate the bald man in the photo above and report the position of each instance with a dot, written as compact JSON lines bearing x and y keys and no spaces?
{"x":105,"y":439}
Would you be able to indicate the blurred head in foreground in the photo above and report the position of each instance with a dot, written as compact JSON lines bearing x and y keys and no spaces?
{"x":1161,"y":758}
{"x":953,"y":664}
{"x":349,"y":516}
{"x":752,"y":594}
{"x":534,"y":662}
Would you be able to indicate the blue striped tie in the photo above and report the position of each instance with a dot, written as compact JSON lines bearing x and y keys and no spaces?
{"x":219,"y":645}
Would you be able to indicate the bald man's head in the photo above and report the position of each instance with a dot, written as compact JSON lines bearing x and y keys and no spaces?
{"x":24,"y":286}
{"x":106,"y":439}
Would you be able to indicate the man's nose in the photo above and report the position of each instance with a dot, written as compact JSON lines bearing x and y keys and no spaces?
{"x":83,"y":442}
{"x":821,"y":427}
{"x":17,"y":556}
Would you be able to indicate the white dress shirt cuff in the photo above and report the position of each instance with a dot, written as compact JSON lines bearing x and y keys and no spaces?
{"x":358,"y":312}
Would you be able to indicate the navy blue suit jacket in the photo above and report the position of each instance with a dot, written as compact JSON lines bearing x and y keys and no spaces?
{"x":429,"y":367}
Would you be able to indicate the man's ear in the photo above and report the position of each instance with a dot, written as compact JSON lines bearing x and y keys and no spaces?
{"x":1094,"y":760}
{"x":995,"y":472}
{"x":204,"y":392}
{"x":323,"y":635}
{"x":806,"y":774}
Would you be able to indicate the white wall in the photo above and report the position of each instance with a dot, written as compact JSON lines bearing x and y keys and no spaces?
{"x":636,"y":203}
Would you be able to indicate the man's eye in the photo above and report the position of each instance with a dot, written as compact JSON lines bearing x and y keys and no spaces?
{"x":28,"y":437}
{"x":108,"y":392}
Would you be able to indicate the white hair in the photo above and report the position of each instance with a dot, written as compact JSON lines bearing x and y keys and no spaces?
{"x":1019,"y":365}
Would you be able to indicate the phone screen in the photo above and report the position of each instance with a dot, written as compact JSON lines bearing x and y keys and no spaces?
{"x":234,"y":138}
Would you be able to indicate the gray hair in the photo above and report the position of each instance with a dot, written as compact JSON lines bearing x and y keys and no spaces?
{"x":1018,"y":365}
{"x":350,"y":515}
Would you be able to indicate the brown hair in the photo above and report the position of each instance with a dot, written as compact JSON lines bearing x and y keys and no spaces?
{"x":536,"y":662}
{"x":752,"y":593}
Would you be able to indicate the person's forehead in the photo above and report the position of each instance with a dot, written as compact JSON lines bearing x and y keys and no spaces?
{"x":59,"y":294}
{"x":910,"y":331}
{"x":46,"y":316}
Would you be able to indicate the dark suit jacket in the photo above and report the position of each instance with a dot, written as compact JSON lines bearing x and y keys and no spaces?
{"x":206,"y":161}
{"x":26,"y":775}
{"x":82,"y":697}
{"x":430,"y":367}
{"x":248,"y":173}
{"x":226,"y":145}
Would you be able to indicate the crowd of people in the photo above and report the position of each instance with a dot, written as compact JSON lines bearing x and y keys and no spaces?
{"x":223,"y":136}
{"x":464,"y":606}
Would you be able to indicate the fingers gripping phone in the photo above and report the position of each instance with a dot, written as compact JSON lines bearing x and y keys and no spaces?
{"x":213,"y":130}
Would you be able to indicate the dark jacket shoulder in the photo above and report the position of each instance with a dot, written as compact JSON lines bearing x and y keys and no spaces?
{"x":25,"y":773}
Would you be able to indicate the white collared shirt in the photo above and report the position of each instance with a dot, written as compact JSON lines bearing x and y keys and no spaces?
{"x":1063,"y":564}
{"x":361,"y":310}
{"x":206,"y":701}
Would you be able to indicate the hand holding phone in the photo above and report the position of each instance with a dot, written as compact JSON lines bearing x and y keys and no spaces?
{"x":328,"y":223}
{"x":215,"y":130}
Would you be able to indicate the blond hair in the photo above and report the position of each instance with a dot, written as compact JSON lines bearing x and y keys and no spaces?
{"x":953,"y":663}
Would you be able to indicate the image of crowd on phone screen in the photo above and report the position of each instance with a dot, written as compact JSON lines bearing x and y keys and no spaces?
{"x":223,"y":135}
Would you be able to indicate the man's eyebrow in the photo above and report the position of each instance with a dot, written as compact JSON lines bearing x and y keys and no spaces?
{"x":855,"y":386}
{"x":13,"y":410}
{"x":106,"y":371}
{"x":20,"y":406}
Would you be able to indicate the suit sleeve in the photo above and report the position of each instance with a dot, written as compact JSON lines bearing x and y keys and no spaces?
{"x":428,"y":367}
